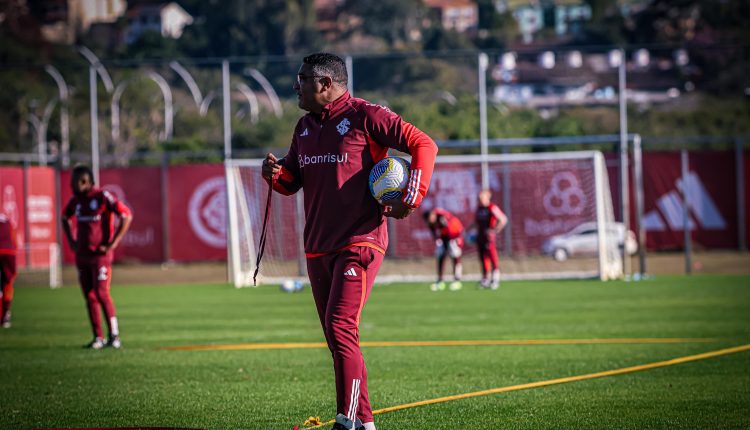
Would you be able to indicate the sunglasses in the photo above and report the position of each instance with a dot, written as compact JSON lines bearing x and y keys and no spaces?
{"x":301,"y":78}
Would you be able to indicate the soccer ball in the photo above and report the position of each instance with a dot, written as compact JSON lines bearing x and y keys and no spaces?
{"x":291,"y":286}
{"x":388,"y":178}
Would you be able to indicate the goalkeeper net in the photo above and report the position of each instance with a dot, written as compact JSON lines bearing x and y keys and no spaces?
{"x":559,"y":206}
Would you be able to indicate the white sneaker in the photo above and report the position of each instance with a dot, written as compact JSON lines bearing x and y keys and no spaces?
{"x":456,"y":285}
{"x":6,"y":320}
{"x":495,"y":285}
{"x":97,"y":343}
{"x":438,"y":286}
{"x":484,"y":283}
{"x":114,"y":342}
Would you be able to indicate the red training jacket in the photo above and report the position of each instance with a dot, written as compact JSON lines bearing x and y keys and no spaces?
{"x":330,"y":158}
{"x":95,"y":221}
{"x":7,"y":236}
{"x":447,"y":226}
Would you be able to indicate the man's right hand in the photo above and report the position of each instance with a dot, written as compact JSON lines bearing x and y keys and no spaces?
{"x":271,"y":167}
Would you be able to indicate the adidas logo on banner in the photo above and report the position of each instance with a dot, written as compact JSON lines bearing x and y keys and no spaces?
{"x":350,"y":272}
{"x":699,"y":203}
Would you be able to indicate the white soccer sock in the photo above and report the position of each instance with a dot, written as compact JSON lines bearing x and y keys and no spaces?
{"x":369,"y":426}
{"x":496,"y":275}
{"x":114,"y":329}
{"x":458,"y":271}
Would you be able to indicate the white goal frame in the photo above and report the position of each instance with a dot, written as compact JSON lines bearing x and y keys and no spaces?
{"x":610,"y":265}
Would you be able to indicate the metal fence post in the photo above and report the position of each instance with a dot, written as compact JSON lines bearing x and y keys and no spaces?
{"x":639,"y":202}
{"x":164,"y":171}
{"x":740,"y":180}
{"x":685,"y":212}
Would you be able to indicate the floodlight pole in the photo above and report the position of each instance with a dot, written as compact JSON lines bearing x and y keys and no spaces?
{"x":94,"y":113}
{"x":226,"y":110}
{"x":227,"y":159}
{"x":483,"y":61}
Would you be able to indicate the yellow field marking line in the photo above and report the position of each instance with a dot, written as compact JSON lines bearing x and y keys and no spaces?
{"x":303,"y":345}
{"x":614,"y":372}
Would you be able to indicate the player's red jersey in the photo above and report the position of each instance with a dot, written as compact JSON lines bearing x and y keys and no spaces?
{"x":448,"y":225}
{"x":95,"y":218}
{"x":487,"y":218}
{"x":331,"y":157}
{"x":7,"y":236}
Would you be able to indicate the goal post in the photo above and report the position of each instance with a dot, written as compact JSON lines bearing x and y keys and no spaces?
{"x":246,"y":199}
{"x":559,"y":206}
{"x":39,"y":265}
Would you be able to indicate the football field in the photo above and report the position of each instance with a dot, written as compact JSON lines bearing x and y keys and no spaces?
{"x":663,"y":353}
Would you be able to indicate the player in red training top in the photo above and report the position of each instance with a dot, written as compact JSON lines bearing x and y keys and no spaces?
{"x":94,"y":211}
{"x":333,"y":149}
{"x":448,"y":233}
{"x":7,"y":267}
{"x":489,"y":220}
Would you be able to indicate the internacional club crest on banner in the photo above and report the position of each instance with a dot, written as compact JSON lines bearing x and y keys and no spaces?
{"x":207,"y":212}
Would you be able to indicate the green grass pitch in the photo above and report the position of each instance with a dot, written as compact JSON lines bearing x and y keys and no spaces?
{"x":48,"y":380}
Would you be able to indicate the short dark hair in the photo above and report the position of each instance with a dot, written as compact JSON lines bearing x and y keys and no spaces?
{"x":325,"y":64}
{"x":82,"y":169}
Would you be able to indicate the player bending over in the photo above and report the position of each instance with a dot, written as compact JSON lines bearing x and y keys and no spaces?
{"x":94,"y":211}
{"x":447,"y":231}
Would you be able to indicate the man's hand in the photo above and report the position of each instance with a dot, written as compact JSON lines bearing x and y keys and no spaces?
{"x":271,"y":167}
{"x":395,"y":208}
{"x":104,"y":249}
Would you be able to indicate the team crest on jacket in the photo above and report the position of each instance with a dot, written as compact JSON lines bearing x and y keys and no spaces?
{"x":93,"y":205}
{"x":343,"y":126}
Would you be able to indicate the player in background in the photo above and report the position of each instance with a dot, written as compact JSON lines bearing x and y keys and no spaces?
{"x":95,"y":211}
{"x":7,"y":267}
{"x":334,"y":148}
{"x":489,"y":220}
{"x":447,"y":231}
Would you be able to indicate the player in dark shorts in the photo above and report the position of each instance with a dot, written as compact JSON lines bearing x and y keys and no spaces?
{"x":489,"y":221}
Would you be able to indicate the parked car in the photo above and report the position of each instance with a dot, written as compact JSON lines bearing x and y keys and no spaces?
{"x":582,"y":240}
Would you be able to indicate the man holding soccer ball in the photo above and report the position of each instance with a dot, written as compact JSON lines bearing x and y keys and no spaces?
{"x":334,"y":147}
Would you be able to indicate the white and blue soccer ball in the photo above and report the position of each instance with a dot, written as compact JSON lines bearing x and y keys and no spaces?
{"x":291,"y":286}
{"x":389,"y":178}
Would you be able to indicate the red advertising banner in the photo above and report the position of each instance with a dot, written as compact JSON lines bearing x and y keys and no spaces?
{"x":197,"y":213}
{"x":548,"y":198}
{"x":711,"y":200}
{"x":41,"y":214}
{"x":140,"y":189}
{"x":12,"y":204}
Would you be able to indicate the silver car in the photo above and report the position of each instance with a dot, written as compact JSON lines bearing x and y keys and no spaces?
{"x":582,"y":240}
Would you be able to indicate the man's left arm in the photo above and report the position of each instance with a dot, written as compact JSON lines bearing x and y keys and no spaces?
{"x":126,"y":218}
{"x":502,"y":219}
{"x":389,"y":129}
